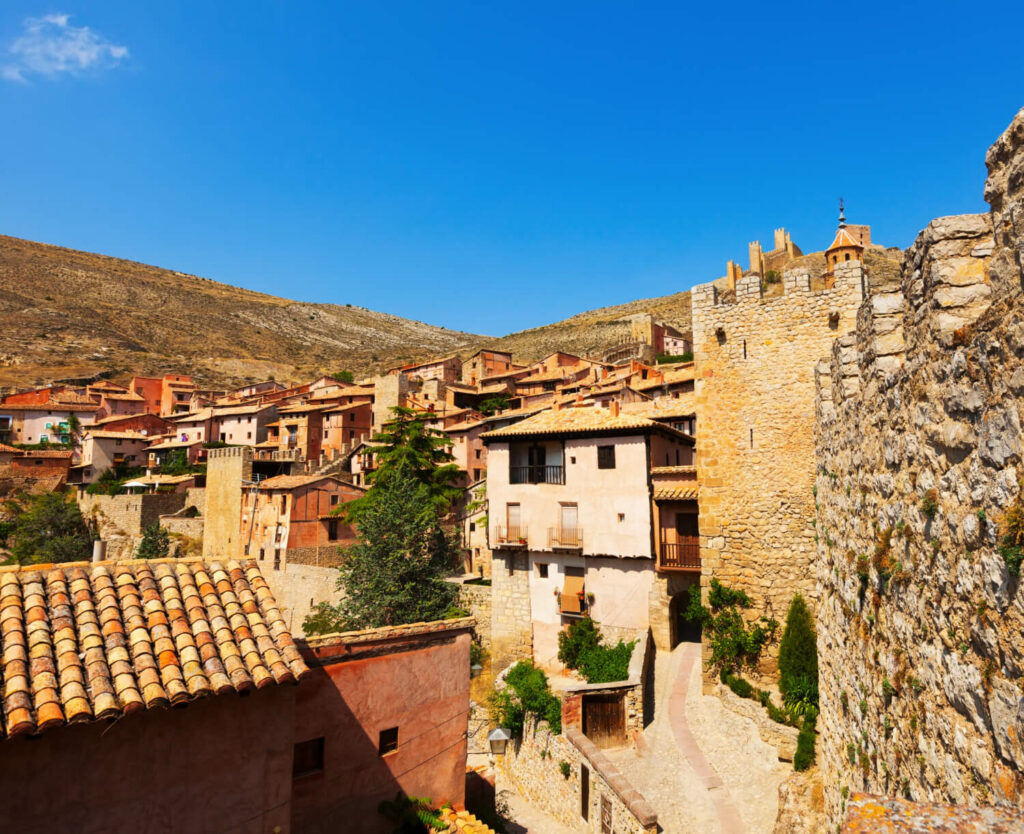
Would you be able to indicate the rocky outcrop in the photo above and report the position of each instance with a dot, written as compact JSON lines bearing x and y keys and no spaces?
{"x":919,"y":446}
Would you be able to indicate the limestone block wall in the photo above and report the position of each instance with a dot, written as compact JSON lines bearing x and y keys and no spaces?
{"x":755,"y":402}
{"x":298,"y":588}
{"x":120,"y":519}
{"x":919,"y":448}
{"x":511,"y":619}
{"x":477,"y":600}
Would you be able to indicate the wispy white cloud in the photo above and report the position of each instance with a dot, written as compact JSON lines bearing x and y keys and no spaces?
{"x":50,"y":47}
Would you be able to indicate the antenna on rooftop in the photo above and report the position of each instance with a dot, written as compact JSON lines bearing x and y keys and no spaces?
{"x":842,"y":215}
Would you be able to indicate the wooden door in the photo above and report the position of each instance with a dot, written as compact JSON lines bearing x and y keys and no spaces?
{"x":604,"y":720}
{"x":606,"y":815}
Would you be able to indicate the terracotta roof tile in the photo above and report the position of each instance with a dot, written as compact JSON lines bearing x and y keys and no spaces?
{"x":682,"y":493}
{"x":82,"y":642}
{"x":577,"y":421}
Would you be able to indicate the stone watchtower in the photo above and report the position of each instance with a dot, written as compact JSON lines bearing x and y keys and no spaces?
{"x":755,"y":402}
{"x":228,"y":470}
{"x":846,"y":246}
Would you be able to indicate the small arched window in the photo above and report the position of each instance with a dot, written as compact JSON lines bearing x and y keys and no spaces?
{"x":847,"y":256}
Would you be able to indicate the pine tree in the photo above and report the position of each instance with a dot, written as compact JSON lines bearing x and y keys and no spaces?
{"x":410,"y":450}
{"x":395,"y":573}
{"x":798,"y":656}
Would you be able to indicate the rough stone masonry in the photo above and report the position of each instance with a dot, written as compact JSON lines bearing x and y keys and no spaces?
{"x":918,"y":443}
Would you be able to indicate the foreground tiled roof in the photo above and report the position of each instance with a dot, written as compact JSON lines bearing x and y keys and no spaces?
{"x":87,"y":641}
{"x":577,"y":421}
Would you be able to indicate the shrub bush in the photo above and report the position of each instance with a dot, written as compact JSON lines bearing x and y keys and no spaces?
{"x":580,"y":648}
{"x":527,"y":691}
{"x":805,"y":741}
{"x":1011,"y":540}
{"x":733,"y":643}
{"x":798,"y":658}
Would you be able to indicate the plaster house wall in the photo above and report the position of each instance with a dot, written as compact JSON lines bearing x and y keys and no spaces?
{"x":755,"y":402}
{"x":225,"y":758}
{"x":413,"y":678}
{"x":621,"y":589}
{"x":614,"y":507}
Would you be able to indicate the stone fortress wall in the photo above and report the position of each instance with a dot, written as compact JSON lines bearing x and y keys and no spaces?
{"x":755,"y":400}
{"x":919,"y":452}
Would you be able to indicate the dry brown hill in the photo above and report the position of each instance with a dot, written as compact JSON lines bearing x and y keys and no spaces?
{"x":593,"y":332}
{"x":65,"y":313}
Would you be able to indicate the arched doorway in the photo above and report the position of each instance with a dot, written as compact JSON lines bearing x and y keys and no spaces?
{"x":682,"y":630}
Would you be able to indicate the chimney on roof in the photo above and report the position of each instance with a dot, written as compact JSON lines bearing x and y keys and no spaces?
{"x":613,"y":408}
{"x":99,"y":550}
{"x":558,"y":406}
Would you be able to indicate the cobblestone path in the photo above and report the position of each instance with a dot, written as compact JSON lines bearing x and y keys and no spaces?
{"x":703,"y":769}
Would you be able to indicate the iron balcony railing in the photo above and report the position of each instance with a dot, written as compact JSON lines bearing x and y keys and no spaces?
{"x":565,"y":537}
{"x":510,"y":536}
{"x":681,"y":555}
{"x":536,"y":475}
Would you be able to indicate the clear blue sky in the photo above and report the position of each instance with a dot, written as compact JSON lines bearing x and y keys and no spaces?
{"x":490,"y":169}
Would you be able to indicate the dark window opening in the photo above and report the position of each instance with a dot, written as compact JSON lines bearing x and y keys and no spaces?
{"x":542,"y":570}
{"x":332,"y":529}
{"x":334,"y":500}
{"x":605,"y":457}
{"x":308,"y":757}
{"x":751,"y":438}
{"x":387,"y":742}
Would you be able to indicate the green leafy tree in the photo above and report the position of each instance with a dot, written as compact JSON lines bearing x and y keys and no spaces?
{"x":526,"y":691}
{"x":395,"y":572}
{"x":409,"y":450}
{"x":155,"y":544}
{"x":798,"y":657}
{"x":499,"y":402}
{"x":733,"y":642}
{"x":344,"y":376}
{"x":177,"y":464}
{"x":49,"y":528}
{"x":580,"y":647}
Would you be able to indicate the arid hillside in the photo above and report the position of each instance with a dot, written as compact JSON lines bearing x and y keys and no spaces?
{"x":65,"y":313}
{"x":69,"y":314}
{"x":593,"y":332}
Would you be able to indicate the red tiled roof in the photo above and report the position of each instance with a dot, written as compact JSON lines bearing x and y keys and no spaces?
{"x":88,"y":641}
{"x":5,"y":448}
{"x":47,"y":453}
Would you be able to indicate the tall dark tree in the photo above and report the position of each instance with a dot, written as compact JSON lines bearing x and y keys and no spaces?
{"x":395,"y":573}
{"x":798,"y":656}
{"x":409,"y":450}
{"x":49,"y":528}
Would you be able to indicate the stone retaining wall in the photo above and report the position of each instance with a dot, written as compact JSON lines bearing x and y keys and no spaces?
{"x":511,"y":617}
{"x":120,"y":519}
{"x":532,"y":766}
{"x":780,"y":736}
{"x":919,"y":447}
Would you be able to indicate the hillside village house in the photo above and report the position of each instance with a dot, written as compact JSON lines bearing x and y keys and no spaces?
{"x":448,"y":368}
{"x":486,"y":363}
{"x":103,"y":450}
{"x":277,"y":735}
{"x":244,"y":425}
{"x":169,"y":394}
{"x":288,"y":519}
{"x":148,"y":424}
{"x":468,"y":449}
{"x":345,"y":425}
{"x":46,"y":423}
{"x":571,"y":489}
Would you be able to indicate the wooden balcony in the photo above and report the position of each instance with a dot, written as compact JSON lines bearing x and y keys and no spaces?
{"x":679,"y":556}
{"x":565,"y":538}
{"x":508,"y":538}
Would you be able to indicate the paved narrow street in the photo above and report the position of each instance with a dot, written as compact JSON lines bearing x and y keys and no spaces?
{"x":703,"y":768}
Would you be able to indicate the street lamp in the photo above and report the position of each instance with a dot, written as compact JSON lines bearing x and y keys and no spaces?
{"x":497,"y":739}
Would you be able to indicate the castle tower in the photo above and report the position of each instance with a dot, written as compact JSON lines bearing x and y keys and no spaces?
{"x":756,"y":257}
{"x":228,"y":471}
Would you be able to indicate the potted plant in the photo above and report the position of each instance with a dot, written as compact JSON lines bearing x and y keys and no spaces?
{"x":590,"y":598}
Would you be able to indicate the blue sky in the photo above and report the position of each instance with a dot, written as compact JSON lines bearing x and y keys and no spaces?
{"x":490,"y":167}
